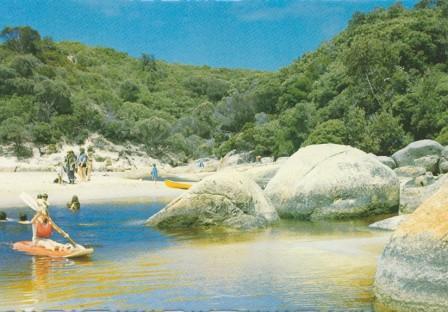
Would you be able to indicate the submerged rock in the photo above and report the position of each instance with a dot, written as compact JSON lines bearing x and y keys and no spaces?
{"x":416,"y":150}
{"x":412,"y":272}
{"x":330,"y":181}
{"x":227,"y":198}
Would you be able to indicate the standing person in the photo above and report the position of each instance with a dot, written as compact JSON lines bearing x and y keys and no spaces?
{"x":70,"y":165}
{"x":82,"y":164}
{"x":154,"y":173}
{"x":89,"y":164}
{"x":60,"y":172}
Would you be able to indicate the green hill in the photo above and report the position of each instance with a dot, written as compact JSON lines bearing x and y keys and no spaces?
{"x":378,"y":85}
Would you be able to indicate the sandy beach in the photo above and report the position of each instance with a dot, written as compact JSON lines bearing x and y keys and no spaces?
{"x":104,"y":187}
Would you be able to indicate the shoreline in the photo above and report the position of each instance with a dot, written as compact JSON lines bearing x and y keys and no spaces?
{"x":103,"y":188}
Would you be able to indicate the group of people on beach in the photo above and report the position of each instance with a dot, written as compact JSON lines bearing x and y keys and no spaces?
{"x":79,"y":167}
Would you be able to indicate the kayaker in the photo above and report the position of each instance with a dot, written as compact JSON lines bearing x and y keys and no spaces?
{"x":74,"y":204}
{"x":43,"y":229}
{"x":154,"y":173}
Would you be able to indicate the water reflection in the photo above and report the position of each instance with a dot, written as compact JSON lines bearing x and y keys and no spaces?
{"x":290,"y":266}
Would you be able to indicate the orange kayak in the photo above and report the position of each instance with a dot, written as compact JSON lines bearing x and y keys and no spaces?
{"x":27,"y":246}
{"x":179,"y":185}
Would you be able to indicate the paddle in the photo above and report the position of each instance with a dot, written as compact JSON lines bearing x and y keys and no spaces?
{"x":27,"y":199}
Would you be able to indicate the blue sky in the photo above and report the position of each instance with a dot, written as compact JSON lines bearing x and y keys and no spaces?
{"x":254,"y":34}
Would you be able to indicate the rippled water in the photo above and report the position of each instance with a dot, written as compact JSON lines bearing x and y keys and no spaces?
{"x":293,"y":266}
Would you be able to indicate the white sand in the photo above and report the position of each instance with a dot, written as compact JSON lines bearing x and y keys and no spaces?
{"x":110,"y":187}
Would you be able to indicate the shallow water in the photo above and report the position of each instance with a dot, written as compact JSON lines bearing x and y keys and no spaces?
{"x":292,"y":266}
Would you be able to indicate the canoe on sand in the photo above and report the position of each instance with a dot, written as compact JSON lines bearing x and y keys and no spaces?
{"x":178,"y":185}
{"x":27,"y":246}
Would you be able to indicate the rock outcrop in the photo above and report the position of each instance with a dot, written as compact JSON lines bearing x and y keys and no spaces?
{"x":389,"y":224}
{"x":260,"y":173}
{"x":388,"y":161}
{"x":227,"y":199}
{"x":443,"y":162}
{"x":233,"y":158}
{"x":417,"y":190}
{"x":330,"y":181}
{"x":412,"y":272}
{"x":416,"y":150}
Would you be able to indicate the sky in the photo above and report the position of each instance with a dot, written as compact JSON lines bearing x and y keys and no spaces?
{"x":251,"y":34}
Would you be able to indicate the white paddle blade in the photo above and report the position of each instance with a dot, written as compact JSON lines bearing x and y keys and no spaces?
{"x":27,"y":199}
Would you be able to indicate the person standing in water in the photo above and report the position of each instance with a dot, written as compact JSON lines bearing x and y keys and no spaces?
{"x":154,"y":173}
{"x":74,"y":204}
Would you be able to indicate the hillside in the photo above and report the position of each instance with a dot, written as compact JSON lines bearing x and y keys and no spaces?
{"x":377,"y":85}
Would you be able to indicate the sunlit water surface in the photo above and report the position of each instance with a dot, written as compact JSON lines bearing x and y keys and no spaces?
{"x":292,"y":266}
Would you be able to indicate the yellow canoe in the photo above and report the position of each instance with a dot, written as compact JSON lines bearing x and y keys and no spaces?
{"x":179,"y":185}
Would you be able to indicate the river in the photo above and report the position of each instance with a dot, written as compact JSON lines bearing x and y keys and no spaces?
{"x":291,"y":266}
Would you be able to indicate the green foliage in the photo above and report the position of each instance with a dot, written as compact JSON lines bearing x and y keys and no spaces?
{"x":377,"y":85}
{"x":442,"y":138}
{"x":21,"y":39}
{"x":331,"y":131}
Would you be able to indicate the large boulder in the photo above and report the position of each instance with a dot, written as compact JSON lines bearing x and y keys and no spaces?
{"x":443,"y":162}
{"x":389,"y":224}
{"x":417,"y":190}
{"x":412,"y":272}
{"x":227,"y":199}
{"x":388,"y":161}
{"x":259,"y":173}
{"x":233,"y":158}
{"x":430,"y":163}
{"x":416,"y":150}
{"x":409,"y":171}
{"x":330,"y":181}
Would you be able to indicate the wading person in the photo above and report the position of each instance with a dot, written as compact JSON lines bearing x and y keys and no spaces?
{"x":154,"y":173}
{"x":74,"y":204}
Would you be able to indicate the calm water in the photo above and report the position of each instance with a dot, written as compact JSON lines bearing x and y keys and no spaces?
{"x":293,"y":266}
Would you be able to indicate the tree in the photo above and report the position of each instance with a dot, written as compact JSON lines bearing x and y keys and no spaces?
{"x":148,"y":62}
{"x":53,"y":98}
{"x":13,"y":130}
{"x":151,"y":131}
{"x":21,"y":39}
{"x":129,"y":91}
{"x":331,"y":131}
{"x":386,"y":134}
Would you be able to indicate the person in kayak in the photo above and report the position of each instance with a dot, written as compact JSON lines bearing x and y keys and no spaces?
{"x":43,"y":228}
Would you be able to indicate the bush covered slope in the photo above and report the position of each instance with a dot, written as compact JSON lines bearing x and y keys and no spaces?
{"x":378,"y":85}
